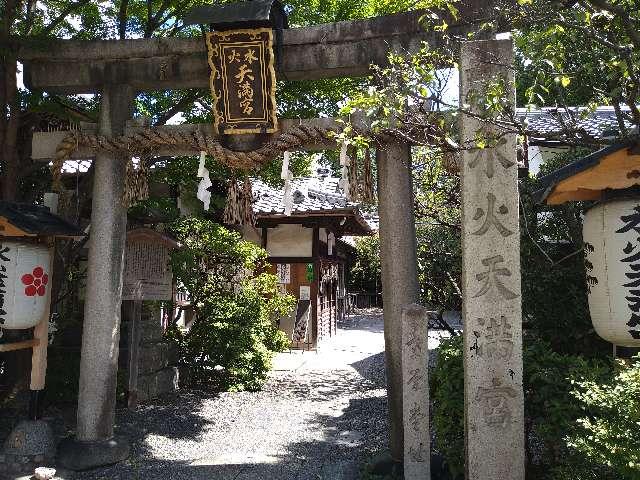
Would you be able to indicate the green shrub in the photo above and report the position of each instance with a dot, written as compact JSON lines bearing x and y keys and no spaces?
{"x":447,"y":392}
{"x":365,"y":273}
{"x":551,"y":410}
{"x":608,"y":434}
{"x":231,"y":342}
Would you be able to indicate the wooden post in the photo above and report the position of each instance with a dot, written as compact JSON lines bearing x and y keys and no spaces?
{"x":315,"y":288}
{"x":12,"y":347}
{"x":492,"y":312}
{"x":41,"y":335}
{"x":133,"y":310}
{"x":39,"y":361}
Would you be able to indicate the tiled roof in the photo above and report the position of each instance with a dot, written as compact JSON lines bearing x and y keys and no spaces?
{"x":598,"y":124}
{"x":310,"y":194}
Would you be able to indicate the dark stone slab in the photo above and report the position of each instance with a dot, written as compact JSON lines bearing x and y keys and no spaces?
{"x":151,"y":331}
{"x":153,"y":357}
{"x":157,"y":383}
{"x":77,"y":455}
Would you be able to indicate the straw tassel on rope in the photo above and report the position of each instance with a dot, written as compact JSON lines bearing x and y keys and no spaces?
{"x":239,"y":209}
{"x":136,"y":187}
{"x":353,"y":174}
{"x":246,"y":210}
{"x":367,"y":178}
{"x":232,"y":214}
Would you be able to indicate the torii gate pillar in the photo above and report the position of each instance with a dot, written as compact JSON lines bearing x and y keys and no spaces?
{"x":399,"y":270}
{"x":94,"y":444}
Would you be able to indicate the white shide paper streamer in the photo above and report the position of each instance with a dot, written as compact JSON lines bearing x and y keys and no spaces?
{"x":287,"y":176}
{"x":204,"y":195}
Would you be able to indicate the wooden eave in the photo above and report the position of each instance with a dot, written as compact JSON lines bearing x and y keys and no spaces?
{"x":354,"y":223}
{"x":26,"y":220}
{"x":613,"y":168}
{"x":150,"y":235}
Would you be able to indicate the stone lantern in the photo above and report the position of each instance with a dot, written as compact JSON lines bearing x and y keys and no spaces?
{"x":611,"y":234}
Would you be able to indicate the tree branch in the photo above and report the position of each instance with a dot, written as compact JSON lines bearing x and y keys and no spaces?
{"x":72,"y":8}
{"x":622,"y":14}
{"x":122,"y":19}
{"x":188,"y":98}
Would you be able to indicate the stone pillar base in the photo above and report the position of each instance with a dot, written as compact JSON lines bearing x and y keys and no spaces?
{"x":77,"y":455}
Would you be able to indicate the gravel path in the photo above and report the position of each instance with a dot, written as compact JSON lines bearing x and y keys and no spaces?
{"x":319,"y":416}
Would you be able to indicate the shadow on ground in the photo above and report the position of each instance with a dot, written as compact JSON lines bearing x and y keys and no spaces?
{"x":372,"y":369}
{"x":337,"y":455}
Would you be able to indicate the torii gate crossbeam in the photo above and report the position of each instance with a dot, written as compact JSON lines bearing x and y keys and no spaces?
{"x":342,"y":49}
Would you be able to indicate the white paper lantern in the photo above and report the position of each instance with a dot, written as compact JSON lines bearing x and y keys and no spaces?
{"x":612,"y":246}
{"x":25,"y":286}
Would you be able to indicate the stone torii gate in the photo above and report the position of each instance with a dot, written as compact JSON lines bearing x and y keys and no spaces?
{"x":119,"y":70}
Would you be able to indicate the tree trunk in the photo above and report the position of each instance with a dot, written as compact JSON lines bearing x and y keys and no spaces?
{"x":10,"y":119}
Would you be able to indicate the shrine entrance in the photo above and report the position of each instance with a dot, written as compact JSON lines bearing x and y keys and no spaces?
{"x":239,"y":65}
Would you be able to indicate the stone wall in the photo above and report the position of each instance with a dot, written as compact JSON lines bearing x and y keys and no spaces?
{"x":157,"y":370}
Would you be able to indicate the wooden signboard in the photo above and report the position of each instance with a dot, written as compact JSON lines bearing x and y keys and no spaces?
{"x":243,"y":81}
{"x":147,"y":274}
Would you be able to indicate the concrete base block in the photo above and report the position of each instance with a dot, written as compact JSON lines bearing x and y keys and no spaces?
{"x":76,"y":455}
{"x":158,"y":383}
{"x":31,"y":438}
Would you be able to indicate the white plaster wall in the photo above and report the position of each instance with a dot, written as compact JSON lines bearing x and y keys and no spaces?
{"x":290,"y":241}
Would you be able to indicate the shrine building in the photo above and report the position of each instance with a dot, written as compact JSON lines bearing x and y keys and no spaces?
{"x":306,"y":253}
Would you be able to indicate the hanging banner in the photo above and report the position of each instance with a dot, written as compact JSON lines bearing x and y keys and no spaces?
{"x":243,"y":81}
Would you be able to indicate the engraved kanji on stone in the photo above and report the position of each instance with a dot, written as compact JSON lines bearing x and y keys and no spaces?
{"x":415,"y":378}
{"x":494,"y":399}
{"x":490,"y":218}
{"x":415,"y":345}
{"x":416,"y":417}
{"x":489,"y":156}
{"x":497,"y":341}
{"x":418,"y":454}
{"x":491,"y":278}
